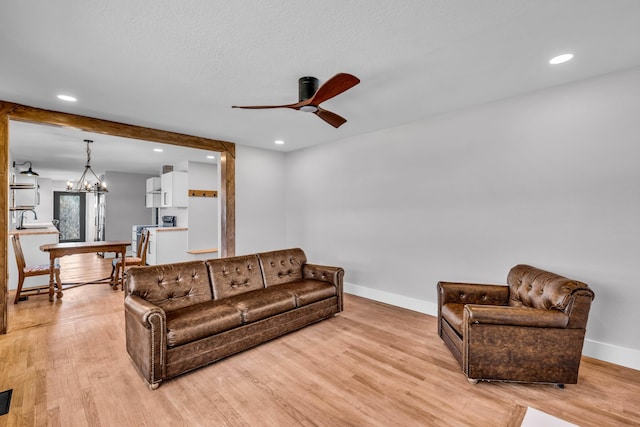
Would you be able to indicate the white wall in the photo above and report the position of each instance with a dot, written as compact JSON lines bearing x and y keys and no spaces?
{"x":125,"y":204}
{"x":45,"y":207}
{"x":260,"y":200}
{"x":203,"y":211}
{"x":549,"y":179}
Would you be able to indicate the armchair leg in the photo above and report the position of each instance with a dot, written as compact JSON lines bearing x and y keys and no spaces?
{"x":560,"y":386}
{"x":472,"y":380}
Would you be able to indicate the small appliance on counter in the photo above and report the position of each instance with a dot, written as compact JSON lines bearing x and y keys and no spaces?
{"x":168,"y":221}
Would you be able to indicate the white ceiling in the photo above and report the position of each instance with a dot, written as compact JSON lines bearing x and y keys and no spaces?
{"x":180,"y":65}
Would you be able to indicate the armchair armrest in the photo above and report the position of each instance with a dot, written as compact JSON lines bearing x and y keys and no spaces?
{"x":472,"y":293}
{"x":514,"y":316}
{"x":332,"y":275}
{"x":145,"y":326}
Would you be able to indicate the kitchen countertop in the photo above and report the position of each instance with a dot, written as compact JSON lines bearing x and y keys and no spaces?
{"x":171,"y":228}
{"x":35,"y":229}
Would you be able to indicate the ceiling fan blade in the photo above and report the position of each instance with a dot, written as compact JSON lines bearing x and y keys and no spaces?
{"x":262,"y":107}
{"x":332,"y":118}
{"x":334,"y":87}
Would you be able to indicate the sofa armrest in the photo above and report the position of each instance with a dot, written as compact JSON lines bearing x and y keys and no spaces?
{"x":514,"y":316}
{"x":145,"y":325}
{"x":141,"y":309}
{"x":472,"y":293}
{"x":333,"y":275}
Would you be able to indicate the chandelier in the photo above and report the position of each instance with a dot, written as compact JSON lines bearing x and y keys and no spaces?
{"x":84,"y":186}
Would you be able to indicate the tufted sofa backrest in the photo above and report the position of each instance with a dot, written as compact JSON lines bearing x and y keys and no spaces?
{"x":532,"y":287}
{"x":170,"y":286}
{"x":282,"y":266}
{"x":234,"y":275}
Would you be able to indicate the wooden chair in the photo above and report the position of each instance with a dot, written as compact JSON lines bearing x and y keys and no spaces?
{"x":117,"y":274}
{"x":30,"y":271}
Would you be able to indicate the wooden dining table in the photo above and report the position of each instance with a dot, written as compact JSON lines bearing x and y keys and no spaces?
{"x":58,"y":250}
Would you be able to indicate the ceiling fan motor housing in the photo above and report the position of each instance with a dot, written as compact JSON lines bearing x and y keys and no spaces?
{"x":307,"y":87}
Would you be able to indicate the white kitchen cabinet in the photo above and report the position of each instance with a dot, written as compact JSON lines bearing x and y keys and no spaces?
{"x":167,"y":245}
{"x":152,"y":200}
{"x":175,"y":186}
{"x":154,"y":192}
{"x":154,"y":184}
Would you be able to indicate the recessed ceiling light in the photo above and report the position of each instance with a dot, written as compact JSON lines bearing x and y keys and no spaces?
{"x":67,"y":98}
{"x":158,"y":150}
{"x":278,"y":142}
{"x":561,"y":58}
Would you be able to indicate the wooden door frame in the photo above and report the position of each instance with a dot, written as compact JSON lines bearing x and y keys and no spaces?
{"x":18,"y":112}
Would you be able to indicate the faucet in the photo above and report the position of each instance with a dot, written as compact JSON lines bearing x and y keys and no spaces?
{"x":21,"y":219}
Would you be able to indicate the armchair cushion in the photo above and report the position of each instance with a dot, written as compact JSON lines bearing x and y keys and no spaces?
{"x":454,"y":315}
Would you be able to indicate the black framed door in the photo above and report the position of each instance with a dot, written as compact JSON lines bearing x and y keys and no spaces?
{"x":70,"y":210}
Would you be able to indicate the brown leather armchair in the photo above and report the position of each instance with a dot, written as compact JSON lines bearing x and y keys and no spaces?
{"x":531,"y":330}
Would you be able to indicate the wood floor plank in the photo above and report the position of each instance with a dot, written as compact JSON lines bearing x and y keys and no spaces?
{"x":373,"y":365}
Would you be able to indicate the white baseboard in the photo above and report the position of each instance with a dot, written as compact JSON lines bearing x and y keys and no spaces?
{"x":612,"y":353}
{"x":393,"y":299}
{"x":623,"y":356}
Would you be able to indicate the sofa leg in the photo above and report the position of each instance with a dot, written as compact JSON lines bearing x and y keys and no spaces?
{"x":154,"y":386}
{"x":472,"y":380}
{"x":560,"y":386}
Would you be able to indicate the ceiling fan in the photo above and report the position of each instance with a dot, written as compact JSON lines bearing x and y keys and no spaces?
{"x":310,"y":97}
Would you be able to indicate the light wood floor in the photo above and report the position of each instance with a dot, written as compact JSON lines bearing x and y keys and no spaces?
{"x":373,"y":365}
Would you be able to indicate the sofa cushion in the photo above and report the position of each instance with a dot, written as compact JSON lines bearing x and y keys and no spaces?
{"x":454,"y":315}
{"x":282,"y":266}
{"x":234,"y":275}
{"x":170,"y":286}
{"x":201,"y":320}
{"x":309,"y":291}
{"x":263,"y":303}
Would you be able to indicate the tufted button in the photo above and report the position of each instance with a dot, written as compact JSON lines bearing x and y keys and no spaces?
{"x":462,"y":295}
{"x":483,"y":297}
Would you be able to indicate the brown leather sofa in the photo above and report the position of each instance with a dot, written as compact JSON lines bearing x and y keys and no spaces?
{"x":529,"y":331}
{"x":183,"y":316}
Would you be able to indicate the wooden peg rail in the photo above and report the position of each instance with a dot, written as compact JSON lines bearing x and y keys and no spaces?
{"x":203,"y":193}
